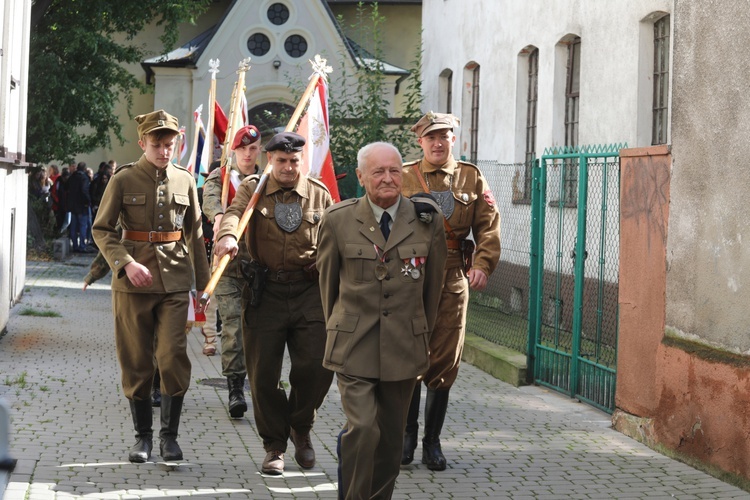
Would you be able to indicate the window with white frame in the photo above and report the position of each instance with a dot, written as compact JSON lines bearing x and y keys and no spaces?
{"x":569,"y":186}
{"x":660,"y":113}
{"x":445,"y":91}
{"x":572,"y":90}
{"x":474,"y":123}
{"x":532,"y":96}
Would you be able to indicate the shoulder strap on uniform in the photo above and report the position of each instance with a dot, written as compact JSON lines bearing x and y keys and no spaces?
{"x":342,"y":204}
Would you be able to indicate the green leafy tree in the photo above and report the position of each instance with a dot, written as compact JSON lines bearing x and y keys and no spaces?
{"x":77,"y":74}
{"x":358,"y":110}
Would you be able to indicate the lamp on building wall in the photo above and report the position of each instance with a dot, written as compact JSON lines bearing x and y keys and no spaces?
{"x":276,"y":64}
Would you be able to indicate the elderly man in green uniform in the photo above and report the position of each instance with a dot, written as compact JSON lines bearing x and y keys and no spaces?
{"x":228,"y":292}
{"x":153,"y":266}
{"x":381,"y":261}
{"x":281,"y":304}
{"x":468,"y":206}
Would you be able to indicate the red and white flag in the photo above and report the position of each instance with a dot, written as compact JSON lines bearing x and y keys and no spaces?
{"x":314,"y":127}
{"x":234,"y":183}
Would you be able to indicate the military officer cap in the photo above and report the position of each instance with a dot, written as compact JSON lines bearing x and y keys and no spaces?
{"x":288,"y":142}
{"x":245,"y":136}
{"x":434,"y":121}
{"x":156,"y":120}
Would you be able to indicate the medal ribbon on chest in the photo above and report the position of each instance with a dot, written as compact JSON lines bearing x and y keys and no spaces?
{"x":380,"y":270}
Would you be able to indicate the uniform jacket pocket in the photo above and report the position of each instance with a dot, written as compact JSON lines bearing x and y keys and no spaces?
{"x":362,"y":260}
{"x":340,"y":329}
{"x":134,"y":208}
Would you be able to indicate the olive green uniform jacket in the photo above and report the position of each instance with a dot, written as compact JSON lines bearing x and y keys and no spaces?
{"x":379,"y":328}
{"x":143,"y":198}
{"x":475,"y":213}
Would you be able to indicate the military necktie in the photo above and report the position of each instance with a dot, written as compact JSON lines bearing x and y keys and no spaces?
{"x":384,"y":220}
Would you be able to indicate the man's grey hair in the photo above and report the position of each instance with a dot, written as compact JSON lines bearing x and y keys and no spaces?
{"x":365,"y":152}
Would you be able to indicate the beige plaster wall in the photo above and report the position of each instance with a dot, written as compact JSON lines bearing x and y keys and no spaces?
{"x":708,"y":255}
{"x":693,"y":400}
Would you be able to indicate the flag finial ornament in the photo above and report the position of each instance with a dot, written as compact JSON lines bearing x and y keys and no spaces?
{"x":320,"y":67}
{"x":244,"y":65}
{"x":213,"y":65}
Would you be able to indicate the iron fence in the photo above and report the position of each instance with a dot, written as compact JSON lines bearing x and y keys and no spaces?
{"x":500,"y":312}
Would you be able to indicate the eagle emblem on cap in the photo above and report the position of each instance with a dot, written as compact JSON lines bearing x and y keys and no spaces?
{"x":431,"y":116}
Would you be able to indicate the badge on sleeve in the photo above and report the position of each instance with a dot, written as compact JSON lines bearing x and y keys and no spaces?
{"x":489,"y":197}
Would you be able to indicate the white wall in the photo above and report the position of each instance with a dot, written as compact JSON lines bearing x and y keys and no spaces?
{"x":613,"y":92}
{"x":14,"y":67}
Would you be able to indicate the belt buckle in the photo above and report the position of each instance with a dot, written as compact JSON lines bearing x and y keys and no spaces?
{"x":151,"y":236}
{"x":280,"y":275}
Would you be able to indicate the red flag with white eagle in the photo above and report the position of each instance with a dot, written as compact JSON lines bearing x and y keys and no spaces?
{"x":314,"y":127}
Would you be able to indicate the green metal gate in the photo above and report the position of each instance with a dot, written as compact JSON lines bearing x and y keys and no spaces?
{"x":574,"y":272}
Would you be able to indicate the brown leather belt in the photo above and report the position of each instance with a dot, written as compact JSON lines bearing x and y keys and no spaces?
{"x":152,"y":236}
{"x":453,"y":244}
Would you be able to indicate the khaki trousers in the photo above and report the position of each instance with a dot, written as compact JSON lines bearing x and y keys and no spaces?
{"x":447,"y":340}
{"x":151,"y":326}
{"x":372,"y":441}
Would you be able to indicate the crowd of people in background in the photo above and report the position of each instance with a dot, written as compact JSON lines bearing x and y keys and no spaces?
{"x":71,"y":196}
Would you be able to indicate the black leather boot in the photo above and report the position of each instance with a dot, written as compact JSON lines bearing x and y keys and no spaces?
{"x":411,"y":433}
{"x":171,"y":408}
{"x":237,"y":404}
{"x":434,"y":416}
{"x":156,"y":390}
{"x":142,"y":421}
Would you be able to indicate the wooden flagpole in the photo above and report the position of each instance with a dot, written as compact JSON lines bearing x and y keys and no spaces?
{"x":226,"y":154}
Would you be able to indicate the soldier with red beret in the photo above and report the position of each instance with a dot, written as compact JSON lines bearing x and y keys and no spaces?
{"x":228,"y":292}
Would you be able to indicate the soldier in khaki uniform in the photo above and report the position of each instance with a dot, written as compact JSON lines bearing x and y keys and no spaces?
{"x":282,"y":239}
{"x":153,"y":266}
{"x":468,"y":205}
{"x":98,"y":270}
{"x":381,"y":269}
{"x":228,"y":292}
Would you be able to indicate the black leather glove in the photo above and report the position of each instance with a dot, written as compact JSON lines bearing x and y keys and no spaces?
{"x":423,"y":207}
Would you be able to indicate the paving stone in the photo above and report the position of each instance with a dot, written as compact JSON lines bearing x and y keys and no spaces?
{"x":71,"y":427}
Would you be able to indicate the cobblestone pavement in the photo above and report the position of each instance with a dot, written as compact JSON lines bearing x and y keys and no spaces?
{"x":71,"y":427}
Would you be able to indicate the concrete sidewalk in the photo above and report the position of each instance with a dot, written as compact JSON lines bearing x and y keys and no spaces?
{"x":71,"y":427}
